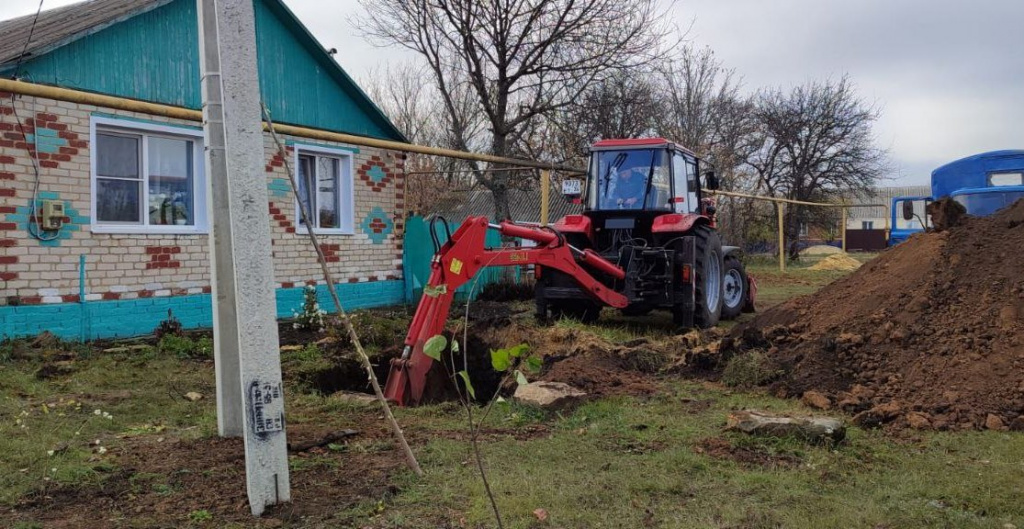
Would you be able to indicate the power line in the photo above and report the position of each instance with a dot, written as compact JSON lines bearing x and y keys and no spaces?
{"x":24,"y":49}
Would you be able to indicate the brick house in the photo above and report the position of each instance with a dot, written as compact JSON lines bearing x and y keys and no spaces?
{"x":128,"y":188}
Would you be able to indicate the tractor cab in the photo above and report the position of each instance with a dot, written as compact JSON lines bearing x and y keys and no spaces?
{"x":643,"y":174}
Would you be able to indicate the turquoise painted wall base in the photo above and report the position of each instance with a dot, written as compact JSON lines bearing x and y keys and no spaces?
{"x":136,"y":317}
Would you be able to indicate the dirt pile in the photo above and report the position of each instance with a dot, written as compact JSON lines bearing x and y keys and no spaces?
{"x":928,"y":335}
{"x":837,"y":261}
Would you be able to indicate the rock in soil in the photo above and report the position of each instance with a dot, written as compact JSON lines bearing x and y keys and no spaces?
{"x":994,"y":422}
{"x":815,"y":429}
{"x":549,"y":395}
{"x":815,"y":399}
{"x":934,"y":324}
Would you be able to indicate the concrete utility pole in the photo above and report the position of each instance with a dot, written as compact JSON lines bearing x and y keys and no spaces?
{"x":242,"y":270}
{"x":225,"y":322}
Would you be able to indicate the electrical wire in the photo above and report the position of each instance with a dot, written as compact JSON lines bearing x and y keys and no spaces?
{"x":34,"y":150}
{"x":24,"y":49}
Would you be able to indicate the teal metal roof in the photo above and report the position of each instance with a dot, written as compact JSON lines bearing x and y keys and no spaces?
{"x":149,"y":51}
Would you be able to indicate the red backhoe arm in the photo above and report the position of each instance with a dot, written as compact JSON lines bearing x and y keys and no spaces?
{"x":458,"y":261}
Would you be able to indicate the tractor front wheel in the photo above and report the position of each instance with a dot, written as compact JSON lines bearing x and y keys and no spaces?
{"x":734,"y":288}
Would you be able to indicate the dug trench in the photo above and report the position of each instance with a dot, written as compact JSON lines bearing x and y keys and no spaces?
{"x":569,"y":354}
{"x":929,"y":335}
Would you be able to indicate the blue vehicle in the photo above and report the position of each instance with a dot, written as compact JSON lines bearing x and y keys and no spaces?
{"x":983,"y":183}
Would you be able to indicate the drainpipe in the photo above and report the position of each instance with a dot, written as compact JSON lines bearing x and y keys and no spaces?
{"x":83,"y":313}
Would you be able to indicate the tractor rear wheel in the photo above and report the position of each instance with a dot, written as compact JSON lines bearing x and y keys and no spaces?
{"x":734,"y":288}
{"x":707,"y":278}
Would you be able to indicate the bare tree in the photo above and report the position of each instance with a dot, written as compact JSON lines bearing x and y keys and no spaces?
{"x":408,"y":95}
{"x":704,"y":110}
{"x":623,"y":105}
{"x":523,"y":59}
{"x":814,"y":143}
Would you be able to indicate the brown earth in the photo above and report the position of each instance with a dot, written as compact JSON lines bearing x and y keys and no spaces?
{"x":161,"y":482}
{"x":928,"y":335}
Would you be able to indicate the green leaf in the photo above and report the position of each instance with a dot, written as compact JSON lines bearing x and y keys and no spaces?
{"x":469,"y":385}
{"x":500,"y":360}
{"x":455,"y":347}
{"x":435,"y":346}
{"x":521,"y":378}
{"x":534,"y":363}
{"x":518,"y":350}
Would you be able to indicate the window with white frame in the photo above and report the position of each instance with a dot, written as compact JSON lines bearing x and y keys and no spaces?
{"x":325,"y":188}
{"x":867,"y":224}
{"x":147,"y":178}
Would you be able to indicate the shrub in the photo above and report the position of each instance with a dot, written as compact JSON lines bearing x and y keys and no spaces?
{"x":169,"y":327}
{"x":311,"y":318}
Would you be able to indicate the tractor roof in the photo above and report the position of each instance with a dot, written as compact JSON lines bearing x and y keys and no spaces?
{"x":604,"y":145}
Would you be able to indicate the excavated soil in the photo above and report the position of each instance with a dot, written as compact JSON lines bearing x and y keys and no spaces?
{"x":927,"y":335}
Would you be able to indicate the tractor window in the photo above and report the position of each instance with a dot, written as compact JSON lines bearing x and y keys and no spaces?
{"x":629,"y":179}
{"x":685,"y":173}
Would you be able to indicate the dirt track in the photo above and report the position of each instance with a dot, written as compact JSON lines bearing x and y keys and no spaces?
{"x":928,"y":335}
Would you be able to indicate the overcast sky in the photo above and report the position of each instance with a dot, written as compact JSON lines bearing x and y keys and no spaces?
{"x":948,"y":75}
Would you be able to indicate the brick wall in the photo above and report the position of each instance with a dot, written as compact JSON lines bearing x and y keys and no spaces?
{"x":125,"y":267}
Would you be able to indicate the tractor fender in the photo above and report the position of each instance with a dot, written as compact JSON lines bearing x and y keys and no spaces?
{"x":575,"y":224}
{"x":678,"y":222}
{"x":732,"y":251}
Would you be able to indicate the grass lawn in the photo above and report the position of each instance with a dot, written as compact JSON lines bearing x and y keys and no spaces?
{"x":129,"y":451}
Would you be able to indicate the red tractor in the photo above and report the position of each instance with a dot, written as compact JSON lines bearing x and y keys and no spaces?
{"x":646,"y":240}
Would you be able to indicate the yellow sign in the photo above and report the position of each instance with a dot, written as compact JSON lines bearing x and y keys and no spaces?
{"x":518,"y":257}
{"x":456,"y":266}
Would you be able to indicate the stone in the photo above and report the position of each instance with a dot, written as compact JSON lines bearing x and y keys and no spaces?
{"x":994,"y":422}
{"x":1017,"y":424}
{"x":549,"y":395}
{"x":919,"y":421}
{"x":815,"y":429}
{"x":815,"y":399}
{"x":193,"y":396}
{"x":354,"y":397}
{"x":878,"y":415}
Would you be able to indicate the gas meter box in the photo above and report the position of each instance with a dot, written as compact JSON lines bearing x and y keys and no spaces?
{"x":53,"y":215}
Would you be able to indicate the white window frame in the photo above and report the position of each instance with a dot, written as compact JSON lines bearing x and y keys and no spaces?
{"x":346,"y":186}
{"x":867,"y":224}
{"x":145,"y":129}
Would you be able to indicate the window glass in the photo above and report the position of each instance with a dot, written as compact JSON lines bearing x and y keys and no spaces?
{"x":117,"y":201}
{"x":117,"y":156}
{"x":1015,"y":178}
{"x":680,"y":202}
{"x":982,"y":204}
{"x":146,"y":175}
{"x":307,"y":181}
{"x":321,"y":189}
{"x":919,"y":216}
{"x":630,"y":179}
{"x":327,"y":174}
{"x":867,"y":225}
{"x":171,"y":195}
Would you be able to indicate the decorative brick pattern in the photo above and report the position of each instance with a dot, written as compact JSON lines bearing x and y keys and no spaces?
{"x":378,"y":225}
{"x":163,"y":257}
{"x":375,"y":173}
